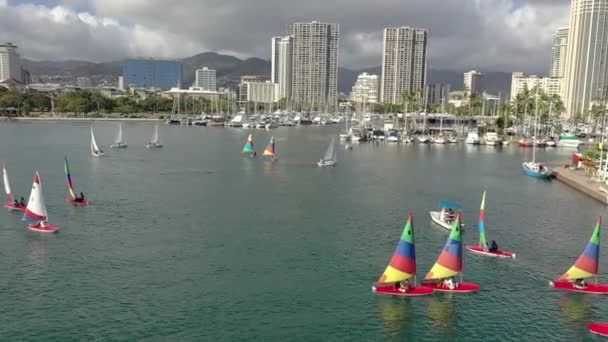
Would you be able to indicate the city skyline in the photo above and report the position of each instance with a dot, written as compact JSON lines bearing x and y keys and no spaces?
{"x":126,"y":30}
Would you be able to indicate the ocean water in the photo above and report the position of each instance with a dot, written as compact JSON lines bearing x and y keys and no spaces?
{"x":197,"y":242}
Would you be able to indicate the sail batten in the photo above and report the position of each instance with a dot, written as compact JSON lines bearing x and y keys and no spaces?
{"x":402,"y":265}
{"x":587,"y":264}
{"x":449,"y":262}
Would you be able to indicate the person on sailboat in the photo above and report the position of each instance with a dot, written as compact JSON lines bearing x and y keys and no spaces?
{"x":449,"y":283}
{"x":80,"y":198}
{"x":253,"y":154}
{"x":580,"y":283}
{"x":494,"y":246}
{"x":402,"y":286}
{"x":22,"y":202}
{"x":275,"y":157}
{"x":16,"y":203}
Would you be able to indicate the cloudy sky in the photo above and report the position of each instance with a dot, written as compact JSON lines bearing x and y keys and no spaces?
{"x":491,"y":35}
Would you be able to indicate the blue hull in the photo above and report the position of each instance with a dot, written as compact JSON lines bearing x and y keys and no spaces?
{"x":537,"y":174}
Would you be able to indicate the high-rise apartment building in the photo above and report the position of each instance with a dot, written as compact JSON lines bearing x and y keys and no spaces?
{"x":437,"y":93}
{"x":365,"y":89}
{"x":152,"y":73}
{"x":403,"y":63}
{"x":471,"y":83}
{"x":558,"y":52}
{"x":586,"y":71}
{"x":205,"y":79}
{"x":10,"y":62}
{"x":548,"y":85}
{"x":283,"y":67}
{"x":315,"y":64}
{"x":274,"y":59}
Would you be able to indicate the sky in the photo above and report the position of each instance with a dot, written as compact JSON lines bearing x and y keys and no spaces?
{"x":487,"y":35}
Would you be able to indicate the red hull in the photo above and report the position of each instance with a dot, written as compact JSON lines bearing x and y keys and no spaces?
{"x":497,"y":254}
{"x":464,"y":287}
{"x":599,"y":328}
{"x":44,"y":229}
{"x":591,"y":287}
{"x":413,"y":291}
{"x":525,"y":144}
{"x":12,"y":206}
{"x":75,"y":202}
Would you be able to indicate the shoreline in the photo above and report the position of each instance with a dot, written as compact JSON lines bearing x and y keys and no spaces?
{"x":48,"y":118}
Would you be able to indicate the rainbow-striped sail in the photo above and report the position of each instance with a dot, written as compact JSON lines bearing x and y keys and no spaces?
{"x":483,"y":243}
{"x":587,"y":265}
{"x":403,"y":263}
{"x":449,"y":262}
{"x":248,"y":148}
{"x":68,"y":179}
{"x":270,"y":148}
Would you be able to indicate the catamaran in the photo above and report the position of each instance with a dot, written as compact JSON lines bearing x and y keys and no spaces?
{"x":586,"y":266}
{"x":271,"y":150}
{"x":402,"y":268}
{"x":74,"y":199}
{"x":449,"y":264}
{"x":482,"y":248}
{"x":248,"y":148}
{"x":118,"y":143}
{"x":329,"y":159}
{"x":36,"y":209}
{"x":95,"y":150}
{"x":532,"y":168}
{"x":154,"y":143}
{"x":11,"y":203}
{"x":446,"y":216}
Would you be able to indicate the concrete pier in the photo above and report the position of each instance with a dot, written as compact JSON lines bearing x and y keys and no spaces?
{"x":583,"y":182}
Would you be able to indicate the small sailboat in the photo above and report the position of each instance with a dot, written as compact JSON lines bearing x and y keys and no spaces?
{"x":482,"y":248}
{"x":74,"y":199}
{"x":248,"y":148}
{"x":95,"y":150}
{"x":598,"y":328}
{"x":271,"y":150}
{"x":11,"y":203}
{"x":402,"y":268}
{"x":118,"y":143}
{"x":586,"y":266}
{"x":36,"y":209}
{"x":446,"y":216}
{"x":449,"y":264}
{"x":154,"y":143}
{"x":329,"y":159}
{"x":532,"y":168}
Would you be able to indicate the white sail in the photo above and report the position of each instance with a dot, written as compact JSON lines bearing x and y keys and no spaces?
{"x":7,"y":185}
{"x":94,"y":148}
{"x":330,"y":154}
{"x":119,"y":137}
{"x":155,"y":137}
{"x":36,"y":208}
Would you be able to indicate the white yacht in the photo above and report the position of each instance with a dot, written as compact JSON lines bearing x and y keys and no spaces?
{"x":472,"y":138}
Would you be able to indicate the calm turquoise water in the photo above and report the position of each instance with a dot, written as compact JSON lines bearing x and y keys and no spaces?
{"x":196,"y":242}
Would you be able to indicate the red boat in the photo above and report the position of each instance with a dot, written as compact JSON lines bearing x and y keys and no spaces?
{"x":73,"y":199}
{"x":412,"y":291}
{"x":10,"y":203}
{"x":525,"y":143}
{"x":461,"y":287}
{"x":589,"y":288}
{"x":77,"y":201}
{"x":40,"y":227}
{"x":482,"y":248}
{"x":599,"y":328}
{"x":36,"y":209}
{"x":495,"y":254}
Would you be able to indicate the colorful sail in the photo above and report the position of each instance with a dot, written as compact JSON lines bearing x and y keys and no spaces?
{"x":36,"y":208}
{"x":403,"y":263}
{"x":449,"y":262}
{"x":483,"y":243}
{"x":68,"y":179}
{"x":270,"y":148}
{"x":7,"y":185}
{"x":587,"y":265}
{"x":248,"y":148}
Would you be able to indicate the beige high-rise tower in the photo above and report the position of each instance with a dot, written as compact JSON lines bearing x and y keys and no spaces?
{"x":403,"y":63}
{"x":586,"y":72}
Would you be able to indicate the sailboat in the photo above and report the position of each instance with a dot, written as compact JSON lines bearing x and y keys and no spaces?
{"x":154,"y":143}
{"x":118,"y":143}
{"x":75,"y":200}
{"x":36,"y":209}
{"x":449,"y":264}
{"x":402,"y":267}
{"x":598,"y":328}
{"x":271,"y":150}
{"x":248,"y":148}
{"x":586,"y":266}
{"x":482,"y":248}
{"x":11,"y":204}
{"x":329,"y":159}
{"x":95,"y":150}
{"x":532,"y":168}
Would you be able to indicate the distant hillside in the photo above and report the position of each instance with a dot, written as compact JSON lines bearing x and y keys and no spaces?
{"x":229,"y":70}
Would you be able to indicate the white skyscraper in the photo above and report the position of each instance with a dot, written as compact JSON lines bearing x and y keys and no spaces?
{"x":586,"y":72}
{"x":315,"y":64}
{"x":284,"y":66}
{"x":520,"y":82}
{"x":274,"y":59}
{"x":558,"y":52}
{"x":365,"y":89}
{"x":205,"y":79}
{"x":471,"y":83}
{"x":403,"y":63}
{"x":10,"y":62}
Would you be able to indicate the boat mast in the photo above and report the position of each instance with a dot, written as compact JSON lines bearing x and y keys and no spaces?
{"x":535,"y":128}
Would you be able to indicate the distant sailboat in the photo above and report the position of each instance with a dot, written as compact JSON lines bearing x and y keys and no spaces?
{"x":329,"y":159}
{"x":95,"y":150}
{"x":154,"y":143}
{"x":271,"y":150}
{"x":75,"y":200}
{"x":118,"y":143}
{"x":11,"y":203}
{"x":36,"y":209}
{"x":248,"y":148}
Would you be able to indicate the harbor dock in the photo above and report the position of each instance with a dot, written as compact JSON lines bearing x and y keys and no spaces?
{"x":583,"y":182}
